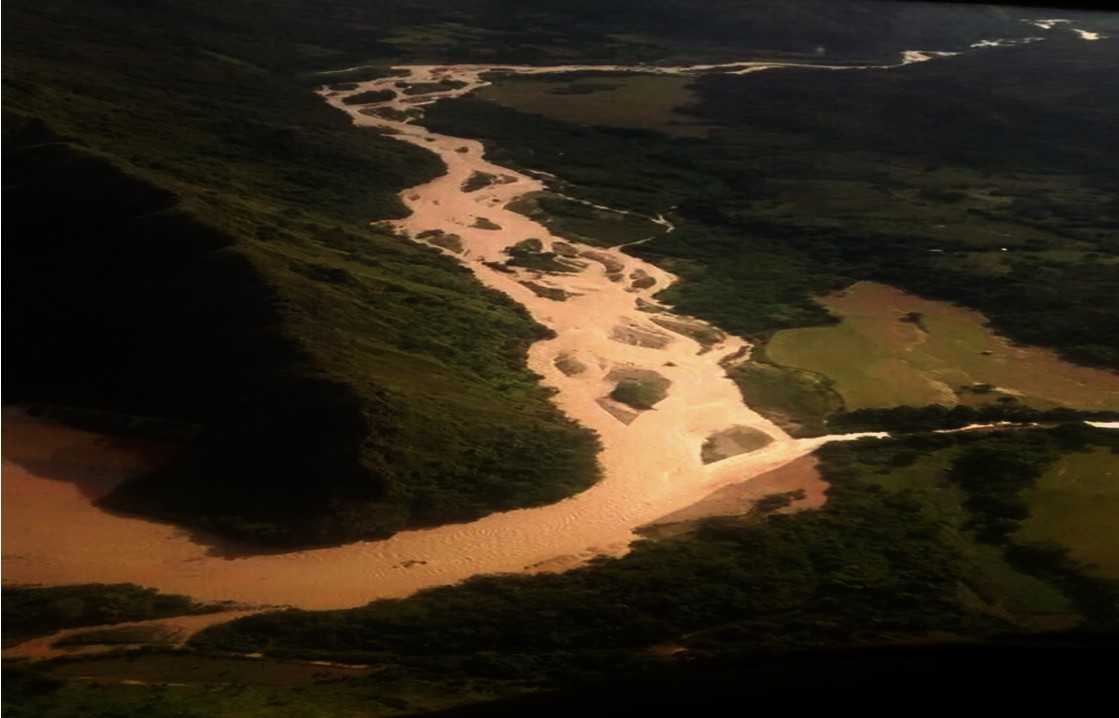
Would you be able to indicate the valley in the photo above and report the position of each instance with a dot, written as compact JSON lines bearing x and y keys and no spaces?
{"x":635,"y":374}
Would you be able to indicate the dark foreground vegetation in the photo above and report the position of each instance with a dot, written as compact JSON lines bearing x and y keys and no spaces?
{"x":917,"y":539}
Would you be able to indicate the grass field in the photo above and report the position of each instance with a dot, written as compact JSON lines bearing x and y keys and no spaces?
{"x":997,"y":585}
{"x":581,"y":222}
{"x":1076,"y":503}
{"x":894,"y":349}
{"x":635,"y":101}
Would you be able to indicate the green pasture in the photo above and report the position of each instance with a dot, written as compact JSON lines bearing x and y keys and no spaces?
{"x":944,"y":355}
{"x":1076,"y":504}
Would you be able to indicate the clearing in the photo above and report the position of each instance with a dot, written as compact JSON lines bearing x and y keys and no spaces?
{"x":894,"y":348}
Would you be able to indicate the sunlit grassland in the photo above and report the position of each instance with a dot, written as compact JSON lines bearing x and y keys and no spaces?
{"x":608,"y":99}
{"x":1076,"y":503}
{"x":943,"y":355}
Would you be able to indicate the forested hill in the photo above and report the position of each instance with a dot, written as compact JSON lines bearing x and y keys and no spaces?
{"x":188,"y":238}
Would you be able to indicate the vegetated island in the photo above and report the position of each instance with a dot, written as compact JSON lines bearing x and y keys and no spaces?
{"x":910,"y":542}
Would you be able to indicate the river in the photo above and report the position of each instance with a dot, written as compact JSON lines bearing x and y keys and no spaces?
{"x":651,"y":460}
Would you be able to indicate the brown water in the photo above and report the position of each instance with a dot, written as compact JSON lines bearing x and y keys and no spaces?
{"x":652,"y":465}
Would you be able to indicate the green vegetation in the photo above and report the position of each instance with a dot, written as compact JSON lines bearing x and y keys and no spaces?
{"x":182,"y":203}
{"x":632,"y":31}
{"x":423,"y":88}
{"x":483,"y":223}
{"x":979,"y":487}
{"x":938,"y":416}
{"x":478,"y":180}
{"x":634,"y":100}
{"x":1075,"y":503}
{"x":185,"y":685}
{"x":262,"y":194}
{"x":528,"y":254}
{"x":814,"y":180}
{"x":798,"y":401}
{"x":453,"y":242}
{"x":743,"y":440}
{"x":704,"y":334}
{"x":582,"y":222}
{"x":369,"y":97}
{"x":208,"y":224}
{"x":903,"y":547}
{"x":33,"y":611}
{"x":148,"y":635}
{"x":640,"y":395}
{"x":879,"y":355}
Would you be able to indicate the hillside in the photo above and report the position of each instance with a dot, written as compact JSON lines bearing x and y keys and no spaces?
{"x":188,"y":239}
